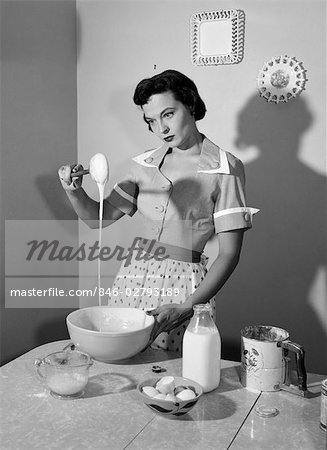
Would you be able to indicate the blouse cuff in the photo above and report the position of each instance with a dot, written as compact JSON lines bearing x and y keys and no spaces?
{"x":122,"y":200}
{"x":234,"y":218}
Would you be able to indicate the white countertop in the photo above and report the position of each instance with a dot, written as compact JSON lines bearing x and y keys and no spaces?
{"x":111,"y":416}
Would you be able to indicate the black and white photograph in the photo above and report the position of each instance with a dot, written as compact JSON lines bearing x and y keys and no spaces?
{"x":163,"y":224}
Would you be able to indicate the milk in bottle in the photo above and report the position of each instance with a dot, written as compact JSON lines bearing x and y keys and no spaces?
{"x":202,"y":349}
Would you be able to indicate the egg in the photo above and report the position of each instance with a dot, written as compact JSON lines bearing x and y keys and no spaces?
{"x":171,"y":398}
{"x":160,"y":396}
{"x":186,"y":394}
{"x":179,"y":389}
{"x":166,"y":385}
{"x":150,"y":391}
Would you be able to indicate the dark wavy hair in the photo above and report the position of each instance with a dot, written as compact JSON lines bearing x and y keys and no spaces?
{"x":183,"y":88}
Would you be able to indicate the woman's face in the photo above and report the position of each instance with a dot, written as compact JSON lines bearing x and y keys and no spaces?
{"x":170,"y":120}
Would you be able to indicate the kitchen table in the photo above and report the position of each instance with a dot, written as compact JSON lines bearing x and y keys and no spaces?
{"x":110,"y":415}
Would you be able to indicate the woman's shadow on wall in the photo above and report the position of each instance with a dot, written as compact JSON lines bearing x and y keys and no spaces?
{"x":287,"y":245}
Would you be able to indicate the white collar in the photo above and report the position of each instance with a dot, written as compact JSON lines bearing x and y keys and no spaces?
{"x":212,"y":158}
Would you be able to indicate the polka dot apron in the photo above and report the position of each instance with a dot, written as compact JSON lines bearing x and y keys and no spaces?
{"x":147,"y":284}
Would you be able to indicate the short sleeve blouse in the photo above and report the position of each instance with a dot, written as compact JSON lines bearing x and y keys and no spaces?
{"x":188,"y":212}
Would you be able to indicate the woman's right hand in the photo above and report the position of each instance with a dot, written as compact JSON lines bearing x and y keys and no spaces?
{"x":67,"y":179}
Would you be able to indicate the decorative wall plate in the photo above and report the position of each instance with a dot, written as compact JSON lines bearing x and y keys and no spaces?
{"x":217,"y":37}
{"x":281,"y":79}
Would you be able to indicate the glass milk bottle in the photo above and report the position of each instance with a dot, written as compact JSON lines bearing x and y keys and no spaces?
{"x":201,"y":349}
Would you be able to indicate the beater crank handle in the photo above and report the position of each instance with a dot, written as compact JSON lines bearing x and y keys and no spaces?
{"x":80,"y":173}
{"x":300,"y":367}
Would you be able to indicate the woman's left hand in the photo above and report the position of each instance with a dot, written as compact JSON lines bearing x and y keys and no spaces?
{"x":169,"y":316}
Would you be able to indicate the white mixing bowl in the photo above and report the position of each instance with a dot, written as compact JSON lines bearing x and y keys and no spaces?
{"x":109,"y":334}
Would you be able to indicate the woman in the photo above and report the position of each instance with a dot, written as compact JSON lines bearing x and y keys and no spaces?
{"x":187,"y":190}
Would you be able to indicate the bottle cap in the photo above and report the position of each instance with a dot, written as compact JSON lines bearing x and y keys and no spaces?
{"x":202,"y":307}
{"x":266,"y":411}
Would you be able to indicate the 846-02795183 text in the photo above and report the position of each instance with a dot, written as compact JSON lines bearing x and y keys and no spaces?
{"x":128,"y":292}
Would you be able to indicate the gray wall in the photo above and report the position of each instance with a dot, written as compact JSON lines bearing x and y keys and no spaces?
{"x":38,"y":134}
{"x":281,"y":278}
